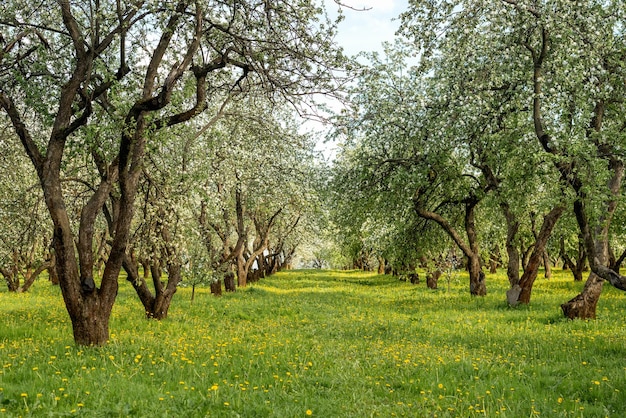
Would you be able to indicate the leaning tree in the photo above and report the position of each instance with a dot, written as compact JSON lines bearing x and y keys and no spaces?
{"x":114,"y":73}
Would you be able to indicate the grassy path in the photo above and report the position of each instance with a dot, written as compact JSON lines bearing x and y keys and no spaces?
{"x":321,"y":343}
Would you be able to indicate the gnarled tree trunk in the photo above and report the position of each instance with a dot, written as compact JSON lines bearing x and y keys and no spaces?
{"x":156,"y":305}
{"x":470,"y":249}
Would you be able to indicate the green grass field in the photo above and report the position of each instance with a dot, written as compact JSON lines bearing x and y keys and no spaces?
{"x":325,"y":344}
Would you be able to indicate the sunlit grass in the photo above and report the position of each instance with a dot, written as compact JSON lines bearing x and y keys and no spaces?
{"x":320,"y":343}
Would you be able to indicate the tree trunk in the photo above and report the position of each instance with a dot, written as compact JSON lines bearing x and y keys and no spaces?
{"x":229,"y":282}
{"x":530,"y":272}
{"x":546,"y":265}
{"x":471,"y":249}
{"x":584,"y":304}
{"x":512,"y":266}
{"x":161,"y":306}
{"x":494,"y":260}
{"x":164,"y":294}
{"x":493,"y":266}
{"x":432,"y":278}
{"x":477,"y":277}
{"x":91,"y":324}
{"x":616,"y":264}
{"x":156,"y":305}
{"x":216,"y":288}
{"x":31,"y":277}
{"x":242,"y":273}
{"x":577,"y":272}
{"x":577,"y":267}
{"x":261,"y":263}
{"x":381,"y":265}
{"x":12,"y":279}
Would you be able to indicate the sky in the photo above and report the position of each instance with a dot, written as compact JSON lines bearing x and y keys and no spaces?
{"x":366,"y":30}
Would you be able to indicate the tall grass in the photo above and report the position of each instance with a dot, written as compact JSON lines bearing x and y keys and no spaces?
{"x":321,"y":343}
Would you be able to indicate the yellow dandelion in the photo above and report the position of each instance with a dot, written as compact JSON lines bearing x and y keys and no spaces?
{"x":309,"y":412}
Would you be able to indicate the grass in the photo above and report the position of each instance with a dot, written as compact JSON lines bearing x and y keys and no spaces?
{"x":321,"y":343}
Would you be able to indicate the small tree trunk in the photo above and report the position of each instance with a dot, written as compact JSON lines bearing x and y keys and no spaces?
{"x":432,"y":278}
{"x":494,"y":260}
{"x":216,"y":288}
{"x":546,"y":265}
{"x":229,"y":282}
{"x":381,"y":265}
{"x":493,"y":267}
{"x":577,"y":267}
{"x":12,"y":280}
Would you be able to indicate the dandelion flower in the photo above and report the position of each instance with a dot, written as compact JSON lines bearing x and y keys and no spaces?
{"x":309,"y":412}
